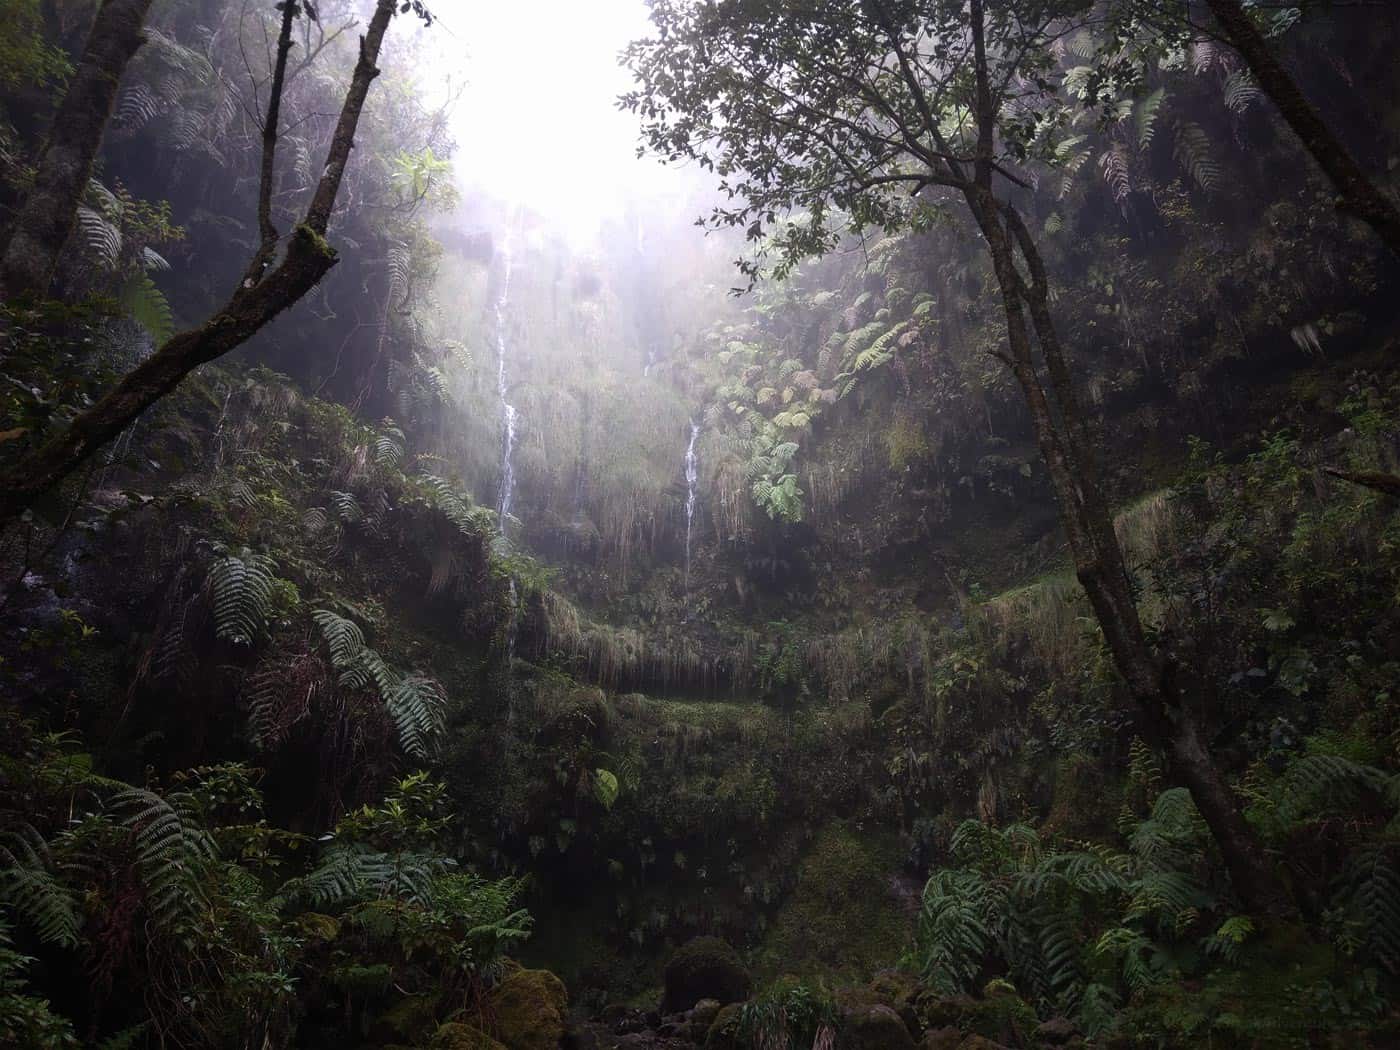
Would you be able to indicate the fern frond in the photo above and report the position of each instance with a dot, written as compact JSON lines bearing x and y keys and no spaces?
{"x":148,"y":307}
{"x":1114,"y":162}
{"x":343,"y":637}
{"x":34,"y":892}
{"x":101,"y":240}
{"x":171,"y":852}
{"x":416,"y":704}
{"x":1193,"y":153}
{"x":1240,"y":91}
{"x":1147,"y":117}
{"x":242,"y":587}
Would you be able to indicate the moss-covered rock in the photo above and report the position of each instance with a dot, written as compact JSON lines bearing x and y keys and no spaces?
{"x":1001,"y":1015}
{"x":407,"y":1021}
{"x":875,"y":1027}
{"x":705,"y":968}
{"x":462,"y":1037}
{"x":946,"y":1038}
{"x":899,"y":991}
{"x":724,"y":1032}
{"x":529,"y":1008}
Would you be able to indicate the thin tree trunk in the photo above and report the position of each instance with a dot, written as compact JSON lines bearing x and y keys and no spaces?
{"x":1358,"y":195}
{"x":45,"y":219}
{"x":307,"y":260}
{"x":1062,"y":432}
{"x":1371,"y":479}
{"x":267,"y":232}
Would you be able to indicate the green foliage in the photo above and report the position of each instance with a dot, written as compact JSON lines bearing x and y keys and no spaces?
{"x":27,"y":1020}
{"x":148,"y":307}
{"x":416,"y":702}
{"x":242,"y":588}
{"x":34,"y":892}
{"x":789,"y":1015}
{"x":25,"y":56}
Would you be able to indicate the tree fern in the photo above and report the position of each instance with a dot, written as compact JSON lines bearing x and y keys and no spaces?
{"x":241,"y":587}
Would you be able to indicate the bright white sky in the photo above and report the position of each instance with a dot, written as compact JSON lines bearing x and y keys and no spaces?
{"x":538,"y":123}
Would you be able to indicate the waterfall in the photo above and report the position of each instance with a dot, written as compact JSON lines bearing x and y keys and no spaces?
{"x":508,"y":413}
{"x":692,"y":475}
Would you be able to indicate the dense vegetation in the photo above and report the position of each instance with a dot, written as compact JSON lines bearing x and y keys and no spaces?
{"x":423,"y":627}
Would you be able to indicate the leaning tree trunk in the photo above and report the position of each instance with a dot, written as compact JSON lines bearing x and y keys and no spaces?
{"x":45,"y":219}
{"x":1357,"y":193}
{"x":1061,"y":433}
{"x":253,"y":304}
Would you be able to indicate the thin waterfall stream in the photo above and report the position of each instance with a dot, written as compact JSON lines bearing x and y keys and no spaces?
{"x":508,"y":413}
{"x":508,"y":416}
{"x":692,"y":476}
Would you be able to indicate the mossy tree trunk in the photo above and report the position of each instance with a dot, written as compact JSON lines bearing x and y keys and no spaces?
{"x":44,"y":222}
{"x":254,"y":303}
{"x":1357,"y":193}
{"x":1063,"y":435}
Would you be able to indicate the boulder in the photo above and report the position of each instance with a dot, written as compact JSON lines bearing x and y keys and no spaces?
{"x":946,"y":1038}
{"x":529,"y":1008}
{"x":462,"y":1037}
{"x":980,"y":1042}
{"x":704,"y":1014}
{"x":409,"y":1020}
{"x":874,"y":1028}
{"x":724,"y":1033}
{"x":1057,"y":1031}
{"x":900,"y":992}
{"x":705,"y":968}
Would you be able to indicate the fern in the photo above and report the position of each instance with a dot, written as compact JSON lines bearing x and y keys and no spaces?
{"x":1114,"y":162}
{"x":33,"y":892}
{"x":101,"y":239}
{"x":416,"y":705}
{"x":1240,"y":91}
{"x":242,"y":590}
{"x":347,"y":507}
{"x":389,"y":447}
{"x":1193,"y":153}
{"x":1147,"y":117}
{"x":400,"y":270}
{"x":148,"y":307}
{"x":343,"y":637}
{"x":1371,"y":888}
{"x":171,"y":851}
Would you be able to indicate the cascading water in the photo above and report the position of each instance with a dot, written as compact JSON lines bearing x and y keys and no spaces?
{"x":508,"y":413}
{"x":507,"y":498}
{"x":692,"y":476}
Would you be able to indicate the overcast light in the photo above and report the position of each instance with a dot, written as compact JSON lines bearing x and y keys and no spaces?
{"x":538,"y":122}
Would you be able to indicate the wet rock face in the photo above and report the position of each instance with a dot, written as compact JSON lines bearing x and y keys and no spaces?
{"x":705,"y":968}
